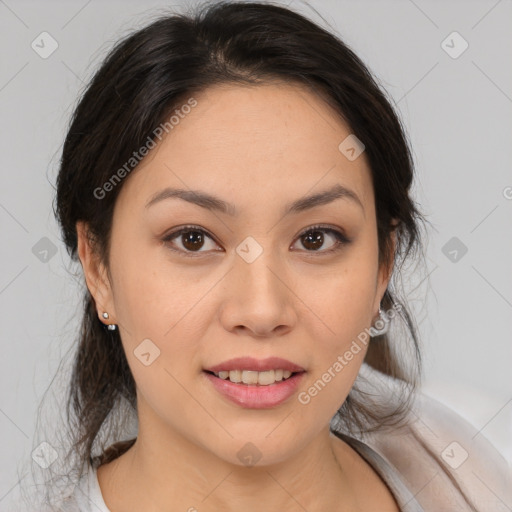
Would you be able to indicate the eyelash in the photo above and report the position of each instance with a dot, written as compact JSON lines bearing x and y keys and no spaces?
{"x":341,"y":239}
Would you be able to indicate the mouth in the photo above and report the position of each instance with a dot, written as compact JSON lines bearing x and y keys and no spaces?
{"x":255,"y":383}
{"x":255,"y":390}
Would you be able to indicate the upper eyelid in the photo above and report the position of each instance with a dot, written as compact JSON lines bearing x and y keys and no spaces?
{"x":178,"y":231}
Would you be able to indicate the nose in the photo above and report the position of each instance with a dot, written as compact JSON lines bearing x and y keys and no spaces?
{"x":259,"y":298}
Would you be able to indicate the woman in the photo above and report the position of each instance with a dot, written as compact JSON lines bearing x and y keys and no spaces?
{"x":236,"y":188}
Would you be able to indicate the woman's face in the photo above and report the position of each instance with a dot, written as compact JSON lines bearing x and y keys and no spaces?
{"x":248,"y":281}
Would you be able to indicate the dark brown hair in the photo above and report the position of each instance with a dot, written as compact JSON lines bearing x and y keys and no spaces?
{"x":147,"y":75}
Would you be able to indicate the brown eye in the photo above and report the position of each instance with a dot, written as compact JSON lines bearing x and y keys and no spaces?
{"x":313,"y":240}
{"x":315,"y":237}
{"x":191,"y":239}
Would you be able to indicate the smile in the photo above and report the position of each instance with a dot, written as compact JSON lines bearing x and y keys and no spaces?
{"x":249,"y":393}
{"x":252,"y":377}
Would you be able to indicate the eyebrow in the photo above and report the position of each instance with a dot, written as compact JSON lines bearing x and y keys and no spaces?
{"x":213,"y":203}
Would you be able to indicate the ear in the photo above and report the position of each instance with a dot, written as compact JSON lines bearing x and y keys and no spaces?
{"x":385,"y":271}
{"x":95,"y":274}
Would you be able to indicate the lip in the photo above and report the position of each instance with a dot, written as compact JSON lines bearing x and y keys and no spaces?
{"x":256,"y":396}
{"x":258,"y":365}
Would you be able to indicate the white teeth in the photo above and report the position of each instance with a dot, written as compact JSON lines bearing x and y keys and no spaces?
{"x":266,"y":378}
{"x":235,"y":375}
{"x":252,"y":377}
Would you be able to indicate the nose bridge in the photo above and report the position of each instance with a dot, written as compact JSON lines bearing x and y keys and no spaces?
{"x":259,"y":297}
{"x":258,"y":267}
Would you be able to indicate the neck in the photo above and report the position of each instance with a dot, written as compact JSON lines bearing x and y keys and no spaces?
{"x":159,"y":472}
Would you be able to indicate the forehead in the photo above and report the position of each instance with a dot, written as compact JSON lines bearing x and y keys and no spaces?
{"x":240,"y":142}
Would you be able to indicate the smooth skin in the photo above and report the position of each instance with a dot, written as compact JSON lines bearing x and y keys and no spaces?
{"x":259,"y":148}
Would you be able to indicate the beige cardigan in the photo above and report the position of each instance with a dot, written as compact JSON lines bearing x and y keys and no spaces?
{"x":438,"y":462}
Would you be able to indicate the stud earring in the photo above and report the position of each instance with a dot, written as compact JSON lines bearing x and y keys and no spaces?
{"x":110,"y":327}
{"x":381,"y":325}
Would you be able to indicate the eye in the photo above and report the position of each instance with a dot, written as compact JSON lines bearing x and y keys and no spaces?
{"x":314,"y":238}
{"x":191,"y":238}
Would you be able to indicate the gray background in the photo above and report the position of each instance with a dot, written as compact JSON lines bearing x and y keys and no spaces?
{"x":456,"y":110}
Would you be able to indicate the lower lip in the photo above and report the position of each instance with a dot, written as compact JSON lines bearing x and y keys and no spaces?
{"x":256,"y":397}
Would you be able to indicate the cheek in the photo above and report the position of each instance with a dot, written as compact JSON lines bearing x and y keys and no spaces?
{"x":162,"y":313}
{"x":342,"y":297}
{"x":342,"y":300}
{"x":342,"y":305}
{"x":152,"y":294}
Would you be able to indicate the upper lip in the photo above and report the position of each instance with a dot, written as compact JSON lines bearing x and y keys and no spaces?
{"x":259,"y":365}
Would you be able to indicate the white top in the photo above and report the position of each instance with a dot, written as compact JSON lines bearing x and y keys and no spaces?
{"x":438,"y":462}
{"x":87,"y":496}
